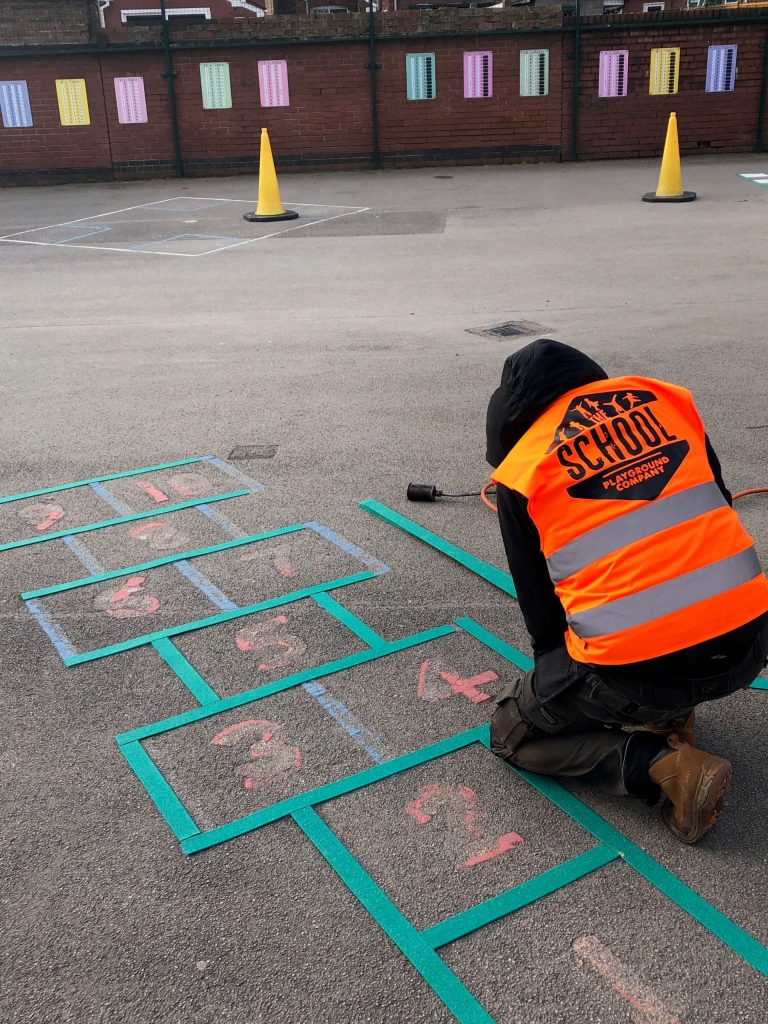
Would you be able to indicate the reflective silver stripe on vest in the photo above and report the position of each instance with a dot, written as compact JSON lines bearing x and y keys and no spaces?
{"x":666,"y":598}
{"x":636,"y":525}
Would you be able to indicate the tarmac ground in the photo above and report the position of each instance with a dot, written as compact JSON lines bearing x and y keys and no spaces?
{"x":298,"y":814}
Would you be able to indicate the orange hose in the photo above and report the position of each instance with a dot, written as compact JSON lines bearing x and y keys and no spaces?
{"x":489,"y":504}
{"x":484,"y":496}
{"x":752,"y":490}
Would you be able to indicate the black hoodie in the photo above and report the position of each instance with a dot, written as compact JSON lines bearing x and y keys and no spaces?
{"x":532,"y":379}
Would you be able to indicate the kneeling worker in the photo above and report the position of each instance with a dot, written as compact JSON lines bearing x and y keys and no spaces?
{"x":640,"y":588}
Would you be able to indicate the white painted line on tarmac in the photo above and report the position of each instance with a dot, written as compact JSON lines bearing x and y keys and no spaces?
{"x":95,"y":216}
{"x":296,"y":227}
{"x":100,"y":248}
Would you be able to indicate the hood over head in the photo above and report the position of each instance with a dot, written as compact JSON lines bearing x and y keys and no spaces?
{"x":532,"y":379}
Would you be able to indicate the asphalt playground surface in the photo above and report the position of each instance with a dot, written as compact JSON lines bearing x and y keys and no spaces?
{"x":160,"y":327}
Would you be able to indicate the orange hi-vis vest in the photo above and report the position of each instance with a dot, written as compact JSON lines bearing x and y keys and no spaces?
{"x":646,"y":555}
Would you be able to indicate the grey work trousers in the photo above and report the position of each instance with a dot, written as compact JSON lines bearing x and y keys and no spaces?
{"x":565,"y":718}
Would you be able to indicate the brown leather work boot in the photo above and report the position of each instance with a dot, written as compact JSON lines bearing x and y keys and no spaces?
{"x":683,"y":729}
{"x":694,"y":783}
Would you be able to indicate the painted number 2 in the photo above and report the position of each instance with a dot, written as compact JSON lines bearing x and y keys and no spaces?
{"x":455,"y":809}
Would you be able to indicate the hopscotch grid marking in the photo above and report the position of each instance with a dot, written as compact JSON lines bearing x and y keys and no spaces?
{"x":180,"y":556}
{"x":664,"y":881}
{"x":105,"y":523}
{"x":213,"y":620}
{"x":209,"y":590}
{"x":101,"y":479}
{"x":305,"y":675}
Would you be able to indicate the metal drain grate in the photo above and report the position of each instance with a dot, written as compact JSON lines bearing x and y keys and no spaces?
{"x":510,"y":329}
{"x":253,"y":451}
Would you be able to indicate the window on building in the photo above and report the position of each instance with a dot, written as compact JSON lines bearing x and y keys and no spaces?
{"x":131,"y":101}
{"x":420,"y":76}
{"x":534,"y":72}
{"x":721,"y":69}
{"x":478,"y":74}
{"x":73,"y":102}
{"x":215,"y":86}
{"x":693,"y":4}
{"x":14,"y":105}
{"x":665,"y":71}
{"x":653,"y":8}
{"x":613,"y":6}
{"x":150,"y":15}
{"x":273,"y":83}
{"x":613,"y":73}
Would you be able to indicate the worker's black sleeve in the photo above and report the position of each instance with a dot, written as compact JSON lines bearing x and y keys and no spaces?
{"x":714,"y":465}
{"x":540,"y":605}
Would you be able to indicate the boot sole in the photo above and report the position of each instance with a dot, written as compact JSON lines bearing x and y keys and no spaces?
{"x":708,"y":802}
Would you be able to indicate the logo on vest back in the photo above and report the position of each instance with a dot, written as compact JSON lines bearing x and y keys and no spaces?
{"x":614,"y":446}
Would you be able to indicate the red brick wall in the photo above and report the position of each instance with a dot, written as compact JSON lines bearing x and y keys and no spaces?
{"x":329,"y":112}
{"x":139,"y":150}
{"x":328,"y":121}
{"x":504,"y":124}
{"x":708,"y":122}
{"x":47,"y":148}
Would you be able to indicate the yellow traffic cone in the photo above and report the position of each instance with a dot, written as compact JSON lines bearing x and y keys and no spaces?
{"x":670,"y":187}
{"x":269,"y":206}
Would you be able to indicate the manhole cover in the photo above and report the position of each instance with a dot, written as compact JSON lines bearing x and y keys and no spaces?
{"x":443,"y":177}
{"x":510,"y":329}
{"x":254,"y":451}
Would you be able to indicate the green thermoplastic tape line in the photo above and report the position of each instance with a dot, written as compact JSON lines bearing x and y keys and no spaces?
{"x":489,"y":572}
{"x":164,"y":798}
{"x":213,"y":620}
{"x":98,"y":480}
{"x":121,"y":519}
{"x":520,"y":896}
{"x":332,"y":790}
{"x":191,"y":678}
{"x":346,"y":618}
{"x":305,"y":676}
{"x":438,"y":975}
{"x":740,"y":941}
{"x":86,"y":581}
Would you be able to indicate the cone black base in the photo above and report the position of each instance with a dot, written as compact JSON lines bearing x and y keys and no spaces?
{"x":288,"y":215}
{"x":686,"y":197}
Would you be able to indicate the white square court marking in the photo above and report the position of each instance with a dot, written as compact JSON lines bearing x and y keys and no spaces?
{"x":189,"y":226}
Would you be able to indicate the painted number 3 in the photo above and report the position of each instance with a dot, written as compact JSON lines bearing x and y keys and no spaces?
{"x":270,"y":756}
